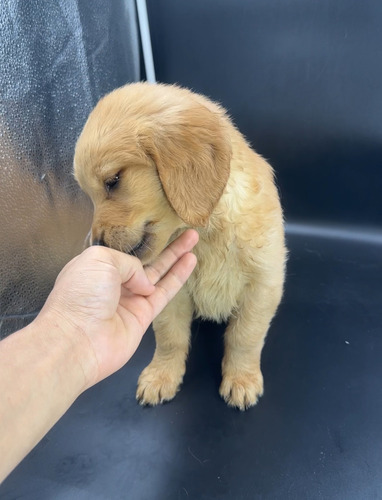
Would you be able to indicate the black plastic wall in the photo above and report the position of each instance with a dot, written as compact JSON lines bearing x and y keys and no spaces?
{"x":301,"y":79}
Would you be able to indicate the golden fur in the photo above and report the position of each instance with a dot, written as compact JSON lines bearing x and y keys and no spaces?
{"x":156,"y":159}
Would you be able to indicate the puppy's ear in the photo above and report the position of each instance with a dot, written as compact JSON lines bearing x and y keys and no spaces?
{"x":191,"y":149}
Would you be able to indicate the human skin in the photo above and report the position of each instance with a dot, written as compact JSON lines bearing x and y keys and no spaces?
{"x":102,"y":303}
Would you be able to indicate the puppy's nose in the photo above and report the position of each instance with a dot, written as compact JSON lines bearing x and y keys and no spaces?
{"x":99,"y":241}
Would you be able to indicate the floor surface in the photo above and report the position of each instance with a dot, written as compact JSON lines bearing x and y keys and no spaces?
{"x":315,"y":434}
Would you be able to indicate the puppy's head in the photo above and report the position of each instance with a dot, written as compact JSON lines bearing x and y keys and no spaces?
{"x":154,"y":159}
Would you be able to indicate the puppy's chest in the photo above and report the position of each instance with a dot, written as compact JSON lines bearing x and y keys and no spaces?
{"x":217,"y":283}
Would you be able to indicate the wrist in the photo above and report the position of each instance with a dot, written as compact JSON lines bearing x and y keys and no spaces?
{"x":70,"y":348}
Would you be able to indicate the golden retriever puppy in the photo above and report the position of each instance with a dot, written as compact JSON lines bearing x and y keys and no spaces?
{"x":157,"y":159}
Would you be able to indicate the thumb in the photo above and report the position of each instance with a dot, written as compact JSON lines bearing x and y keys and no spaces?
{"x":133,"y":276}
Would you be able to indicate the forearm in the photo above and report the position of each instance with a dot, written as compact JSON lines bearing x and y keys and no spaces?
{"x":42,"y":373}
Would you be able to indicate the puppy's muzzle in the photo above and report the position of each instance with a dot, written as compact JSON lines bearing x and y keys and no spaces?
{"x":135,"y":250}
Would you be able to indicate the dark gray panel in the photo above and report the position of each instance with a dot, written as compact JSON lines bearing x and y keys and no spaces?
{"x":302,"y":79}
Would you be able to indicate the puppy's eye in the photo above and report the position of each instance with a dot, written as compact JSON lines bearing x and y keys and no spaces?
{"x":112,"y":183}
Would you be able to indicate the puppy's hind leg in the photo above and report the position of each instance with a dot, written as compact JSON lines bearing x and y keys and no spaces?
{"x":161,"y":379}
{"x":242,"y":381}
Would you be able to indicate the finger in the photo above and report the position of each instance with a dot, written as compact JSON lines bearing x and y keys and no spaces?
{"x":171,"y":283}
{"x":133,"y":276}
{"x":170,"y":255}
{"x":183,"y":244}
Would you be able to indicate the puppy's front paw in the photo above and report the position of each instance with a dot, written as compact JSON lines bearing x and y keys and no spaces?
{"x":158,"y":383}
{"x":241,"y":390}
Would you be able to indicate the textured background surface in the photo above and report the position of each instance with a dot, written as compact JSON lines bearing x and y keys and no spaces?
{"x":57,"y":59}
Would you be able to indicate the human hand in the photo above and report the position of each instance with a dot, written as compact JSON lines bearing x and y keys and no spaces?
{"x":108,"y":298}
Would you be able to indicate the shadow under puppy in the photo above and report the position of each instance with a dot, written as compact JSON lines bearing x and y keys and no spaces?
{"x":157,"y":159}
